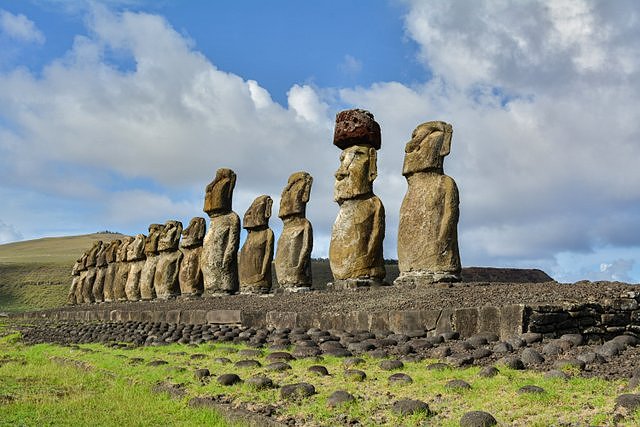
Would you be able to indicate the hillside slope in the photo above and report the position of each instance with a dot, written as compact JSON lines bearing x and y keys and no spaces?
{"x":37,"y":273}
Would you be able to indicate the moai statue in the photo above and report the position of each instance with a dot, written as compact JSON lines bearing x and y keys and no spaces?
{"x":136,"y":260}
{"x":75,"y":274}
{"x":256,"y":254}
{"x":101,"y":272}
{"x":355,"y":251}
{"x":190,"y":276}
{"x":122,"y":271}
{"x":219,"y":258}
{"x":293,"y":256}
{"x":428,"y":229}
{"x":165,"y":281}
{"x":90,"y":263}
{"x":82,"y":270}
{"x":112,"y":269}
{"x":147,"y":290}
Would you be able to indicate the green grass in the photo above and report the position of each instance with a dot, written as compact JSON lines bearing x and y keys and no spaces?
{"x":55,"y":385}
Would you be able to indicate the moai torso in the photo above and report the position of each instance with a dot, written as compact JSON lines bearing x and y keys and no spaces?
{"x":136,"y":259}
{"x":82,"y":275}
{"x":355,"y":251}
{"x":165,"y":280}
{"x":122,"y":270}
{"x":101,"y":273}
{"x":293,"y":254}
{"x":147,"y":290}
{"x":87,"y":285}
{"x":75,"y":274}
{"x":256,"y":254}
{"x":190,"y":275}
{"x":112,"y":268}
{"x":428,"y":227}
{"x":219,"y":257}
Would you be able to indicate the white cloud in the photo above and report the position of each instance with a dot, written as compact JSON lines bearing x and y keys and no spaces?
{"x":350,"y":65}
{"x":19,"y":27}
{"x":8,"y":233}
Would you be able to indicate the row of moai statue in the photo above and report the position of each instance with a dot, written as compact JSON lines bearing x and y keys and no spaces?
{"x":162,"y":266}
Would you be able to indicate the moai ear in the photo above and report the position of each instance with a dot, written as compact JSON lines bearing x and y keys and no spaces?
{"x":267,"y":207}
{"x":306,"y":192}
{"x":232,"y":185}
{"x":446,"y":143}
{"x":373,"y":164}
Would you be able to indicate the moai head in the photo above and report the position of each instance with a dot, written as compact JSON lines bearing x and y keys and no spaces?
{"x":151,"y":243}
{"x":101,"y":256}
{"x":193,"y":235}
{"x":358,"y":135}
{"x":121,"y":256}
{"x":430,"y":143}
{"x":258,"y":213}
{"x":77,"y":267}
{"x":93,"y":253}
{"x":219,"y":193}
{"x":135,"y":250}
{"x":112,"y":250}
{"x":295,"y":195}
{"x":170,"y":237}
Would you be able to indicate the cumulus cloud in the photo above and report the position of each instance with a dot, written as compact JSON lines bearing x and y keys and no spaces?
{"x":8,"y":233}
{"x":19,"y":27}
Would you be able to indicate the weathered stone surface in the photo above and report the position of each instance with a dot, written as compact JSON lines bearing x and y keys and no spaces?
{"x":165,"y":280}
{"x":293,"y":256}
{"x":136,"y":259}
{"x":122,"y":270}
{"x":101,"y":272}
{"x":89,"y":279}
{"x":355,"y":251}
{"x":428,"y":227}
{"x":219,"y":260}
{"x":256,"y":254}
{"x":147,"y":290}
{"x":356,"y":127}
{"x":190,"y":275}
{"x":112,"y":267}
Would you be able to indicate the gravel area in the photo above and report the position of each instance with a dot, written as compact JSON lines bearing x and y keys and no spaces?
{"x":394,"y":298}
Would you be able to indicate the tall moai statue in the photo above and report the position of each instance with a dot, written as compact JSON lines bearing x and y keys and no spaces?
{"x":136,"y":259}
{"x":111,"y":255}
{"x":355,"y":251}
{"x":122,"y":270}
{"x":165,"y":280}
{"x":428,"y":229}
{"x":101,"y":273}
{"x":75,"y":274}
{"x":82,"y":276}
{"x":256,"y":254}
{"x":90,"y":263}
{"x":147,"y":290}
{"x":219,"y":258}
{"x":190,"y":275}
{"x":293,"y":254}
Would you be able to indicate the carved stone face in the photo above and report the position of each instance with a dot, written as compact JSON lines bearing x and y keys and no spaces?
{"x":170,"y":236}
{"x":356,"y":173}
{"x":122,"y":249}
{"x":295,"y":195}
{"x":193,"y":235}
{"x":219,"y":193}
{"x":430,"y":143}
{"x":151,"y":244}
{"x":135,"y":250}
{"x":112,"y":250}
{"x":258,"y":213}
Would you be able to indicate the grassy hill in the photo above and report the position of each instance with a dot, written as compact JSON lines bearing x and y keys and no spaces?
{"x":37,"y":273}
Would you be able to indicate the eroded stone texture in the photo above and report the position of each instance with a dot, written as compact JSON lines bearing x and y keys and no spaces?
{"x":75,"y":274}
{"x":165,"y":280}
{"x":122,"y":270}
{"x":101,"y":272}
{"x":136,"y":260}
{"x":190,"y":275}
{"x":355,"y":251}
{"x":82,"y":275}
{"x":428,"y":228}
{"x":147,"y":290}
{"x":219,"y":257}
{"x":256,"y":254}
{"x":90,"y":263}
{"x":112,"y":268}
{"x":293,"y":254}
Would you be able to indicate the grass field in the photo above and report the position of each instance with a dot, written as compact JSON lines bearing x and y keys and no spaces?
{"x":99,"y":385}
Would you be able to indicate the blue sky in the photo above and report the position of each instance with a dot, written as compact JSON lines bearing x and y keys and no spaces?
{"x":116,"y":114}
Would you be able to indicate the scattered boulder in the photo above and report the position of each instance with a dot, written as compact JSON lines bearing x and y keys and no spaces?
{"x":339,"y":397}
{"x":400,"y":378}
{"x":297,"y":391}
{"x":477,"y":419}
{"x":228,"y":379}
{"x":406,"y":407}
